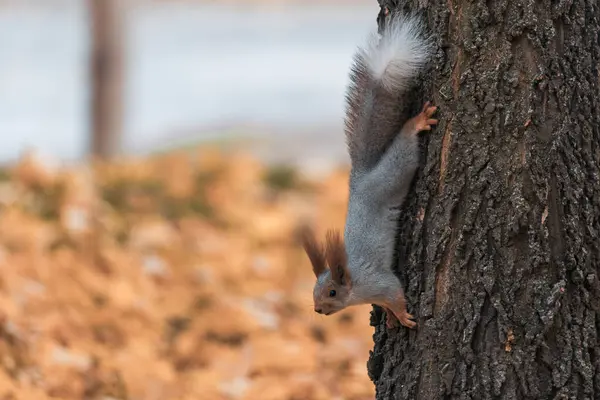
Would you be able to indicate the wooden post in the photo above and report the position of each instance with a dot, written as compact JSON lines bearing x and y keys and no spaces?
{"x":106,"y":76}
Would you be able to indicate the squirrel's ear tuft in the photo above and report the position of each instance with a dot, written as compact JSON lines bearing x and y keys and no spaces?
{"x":314,"y":250}
{"x":336,"y":258}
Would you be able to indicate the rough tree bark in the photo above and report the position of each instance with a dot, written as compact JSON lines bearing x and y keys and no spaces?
{"x":106,"y":75}
{"x":499,"y":246}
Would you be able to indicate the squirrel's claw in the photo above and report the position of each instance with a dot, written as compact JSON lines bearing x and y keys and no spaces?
{"x":392,"y":320}
{"x":406,"y":321}
{"x":429,"y":111}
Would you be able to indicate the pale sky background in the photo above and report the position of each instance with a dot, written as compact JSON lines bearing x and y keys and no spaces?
{"x":194,"y":70}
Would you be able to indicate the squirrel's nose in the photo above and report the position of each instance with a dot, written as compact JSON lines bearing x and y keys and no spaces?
{"x":319,"y":310}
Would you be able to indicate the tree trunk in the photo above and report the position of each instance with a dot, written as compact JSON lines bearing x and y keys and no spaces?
{"x":499,"y":244}
{"x":106,"y":75}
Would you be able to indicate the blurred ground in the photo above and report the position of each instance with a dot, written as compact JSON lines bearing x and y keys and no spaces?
{"x":193,"y":286}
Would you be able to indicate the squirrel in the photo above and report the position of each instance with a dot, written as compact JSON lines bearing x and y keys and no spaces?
{"x":357,"y":269}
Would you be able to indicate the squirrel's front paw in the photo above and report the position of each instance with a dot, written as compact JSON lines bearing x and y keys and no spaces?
{"x":390,"y":321}
{"x":397,"y":311}
{"x":406,"y":320}
{"x":423,"y":121}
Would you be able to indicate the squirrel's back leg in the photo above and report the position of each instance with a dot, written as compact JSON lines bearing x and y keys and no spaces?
{"x":391,"y":178}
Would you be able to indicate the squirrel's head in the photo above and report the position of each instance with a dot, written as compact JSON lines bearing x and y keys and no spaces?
{"x":329,"y":263}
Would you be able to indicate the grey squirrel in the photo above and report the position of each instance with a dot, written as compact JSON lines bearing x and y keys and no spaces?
{"x":358,"y":268}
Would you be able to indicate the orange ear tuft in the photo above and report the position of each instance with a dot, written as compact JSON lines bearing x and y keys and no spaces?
{"x":336,"y":258}
{"x":314,"y":250}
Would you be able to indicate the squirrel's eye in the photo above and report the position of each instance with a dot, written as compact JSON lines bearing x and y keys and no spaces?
{"x":331,"y":293}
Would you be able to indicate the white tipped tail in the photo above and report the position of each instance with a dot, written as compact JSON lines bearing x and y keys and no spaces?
{"x":381,"y":72}
{"x":396,"y":57}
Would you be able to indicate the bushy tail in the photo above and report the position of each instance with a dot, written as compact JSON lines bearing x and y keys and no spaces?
{"x":381,"y":72}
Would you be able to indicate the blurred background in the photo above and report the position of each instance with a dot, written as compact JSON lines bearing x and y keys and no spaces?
{"x":169,"y":267}
{"x":192,"y":70}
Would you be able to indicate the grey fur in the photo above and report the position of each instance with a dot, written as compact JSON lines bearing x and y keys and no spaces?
{"x":381,"y":171}
{"x":384,"y":153}
{"x":375,"y":197}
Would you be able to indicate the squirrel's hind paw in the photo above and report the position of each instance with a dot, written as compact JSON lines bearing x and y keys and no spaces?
{"x":423,"y":121}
